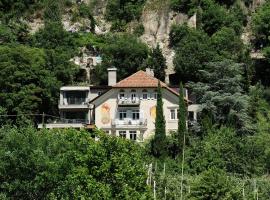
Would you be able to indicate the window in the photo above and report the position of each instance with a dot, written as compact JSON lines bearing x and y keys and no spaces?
{"x":133,"y":135}
{"x":123,"y":134}
{"x":145,"y":95}
{"x":173,"y":116}
{"x":155,"y":94}
{"x":191,"y":115}
{"x":122,"y":114}
{"x":122,"y":94}
{"x":133,"y":95}
{"x":135,"y":114}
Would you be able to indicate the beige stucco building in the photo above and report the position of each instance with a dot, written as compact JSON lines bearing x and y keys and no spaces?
{"x":126,"y":108}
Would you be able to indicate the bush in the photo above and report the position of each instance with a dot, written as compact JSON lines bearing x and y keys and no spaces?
{"x":215,"y":184}
{"x":123,"y":11}
{"x":69,"y":164}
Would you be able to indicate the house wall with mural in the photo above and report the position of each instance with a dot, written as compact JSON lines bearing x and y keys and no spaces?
{"x":106,"y":110}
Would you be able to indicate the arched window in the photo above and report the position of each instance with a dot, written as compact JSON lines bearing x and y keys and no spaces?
{"x":144,"y":94}
{"x":133,"y":95}
{"x":122,"y":94}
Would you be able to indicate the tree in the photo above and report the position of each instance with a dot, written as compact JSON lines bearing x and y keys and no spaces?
{"x":158,"y":143}
{"x":123,"y":51}
{"x":260,"y":26}
{"x":126,"y":10}
{"x":157,"y":62}
{"x":221,"y":148}
{"x":214,"y":184}
{"x":26,"y":86}
{"x":69,"y":164}
{"x":182,"y":117}
{"x":221,"y":94}
{"x":195,"y":45}
{"x":227,"y":44}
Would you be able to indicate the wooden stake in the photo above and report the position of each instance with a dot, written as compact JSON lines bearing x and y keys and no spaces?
{"x":183,"y":160}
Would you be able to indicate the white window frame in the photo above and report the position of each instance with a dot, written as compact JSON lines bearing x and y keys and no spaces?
{"x":122,"y":114}
{"x":122,"y":134}
{"x":133,"y":135}
{"x":173,"y":114}
{"x":136,"y":114}
{"x":122,"y":95}
{"x":133,"y":95}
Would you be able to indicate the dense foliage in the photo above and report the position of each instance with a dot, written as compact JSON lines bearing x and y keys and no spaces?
{"x":69,"y":164}
{"x":157,"y":62}
{"x":125,"y":52}
{"x":227,"y":150}
{"x":158,"y":143}
{"x":122,"y":11}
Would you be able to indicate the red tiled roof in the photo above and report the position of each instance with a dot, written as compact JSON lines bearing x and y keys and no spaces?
{"x":141,"y":80}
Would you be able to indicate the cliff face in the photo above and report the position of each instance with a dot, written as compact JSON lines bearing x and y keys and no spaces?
{"x":157,"y":19}
{"x":157,"y":22}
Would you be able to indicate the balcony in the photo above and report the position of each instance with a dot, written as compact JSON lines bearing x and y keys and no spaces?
{"x":128,"y":102}
{"x":73,"y":103}
{"x":65,"y":123}
{"x":129,"y":123}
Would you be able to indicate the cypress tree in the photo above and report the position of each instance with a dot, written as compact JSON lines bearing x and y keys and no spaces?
{"x":158,"y":63}
{"x":158,"y":144}
{"x":182,"y":117}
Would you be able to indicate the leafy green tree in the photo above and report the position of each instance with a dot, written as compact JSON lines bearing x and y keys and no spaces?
{"x":158,"y":143}
{"x":157,"y":62}
{"x":195,"y":45}
{"x":123,"y":11}
{"x":53,"y":11}
{"x":214,"y":184}
{"x":123,"y":51}
{"x":6,"y":34}
{"x":26,"y":85}
{"x":177,"y":33}
{"x":227,"y":44}
{"x":260,"y":26}
{"x":221,"y":93}
{"x":12,"y":9}
{"x":221,"y":148}
{"x":69,"y":164}
{"x":186,"y":6}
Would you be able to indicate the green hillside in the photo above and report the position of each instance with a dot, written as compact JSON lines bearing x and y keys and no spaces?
{"x":224,"y":60}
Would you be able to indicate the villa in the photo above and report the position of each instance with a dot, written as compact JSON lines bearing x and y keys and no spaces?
{"x":126,"y":108}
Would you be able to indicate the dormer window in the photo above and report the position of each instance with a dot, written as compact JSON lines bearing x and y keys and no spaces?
{"x":122,"y":94}
{"x":133,"y":95}
{"x":145,"y":94}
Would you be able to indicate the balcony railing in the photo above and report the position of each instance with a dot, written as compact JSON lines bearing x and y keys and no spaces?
{"x":70,"y":121}
{"x":75,"y":101}
{"x":128,"y":102}
{"x":129,"y":122}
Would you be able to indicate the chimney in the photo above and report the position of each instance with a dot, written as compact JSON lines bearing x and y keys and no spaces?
{"x":150,"y":72}
{"x":112,"y":77}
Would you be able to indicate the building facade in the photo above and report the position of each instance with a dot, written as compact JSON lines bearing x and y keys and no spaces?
{"x":126,"y":108}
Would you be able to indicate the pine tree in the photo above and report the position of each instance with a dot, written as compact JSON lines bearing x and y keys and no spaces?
{"x":157,"y":62}
{"x":182,"y":117}
{"x":158,"y":144}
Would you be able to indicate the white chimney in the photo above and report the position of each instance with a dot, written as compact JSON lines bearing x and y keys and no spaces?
{"x":150,"y":72}
{"x":112,"y":76}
